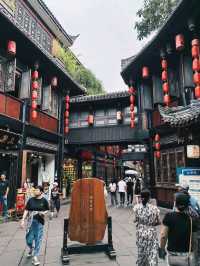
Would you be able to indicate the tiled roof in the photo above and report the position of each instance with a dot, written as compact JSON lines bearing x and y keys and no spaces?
{"x":182,"y":115}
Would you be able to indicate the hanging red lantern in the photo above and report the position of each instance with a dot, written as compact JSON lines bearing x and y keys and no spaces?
{"x":132,"y":99}
{"x":132,"y":116}
{"x":66,"y":130}
{"x":67,"y":98}
{"x":34,"y":104}
{"x":131,"y":107}
{"x":35,"y":85}
{"x":197,"y":92}
{"x":166,"y":99}
{"x":67,"y":106}
{"x":66,"y":114}
{"x":54,"y":82}
{"x":34,"y":95}
{"x":34,"y":114}
{"x":157,"y":154}
{"x":164,"y":75}
{"x":196,"y":78}
{"x":180,"y":43}
{"x":196,"y":64}
{"x":157,"y":146}
{"x":35,"y":75}
{"x":131,"y":90}
{"x":164,"y":64}
{"x":195,"y":51}
{"x":157,"y":137}
{"x":165,"y":87}
{"x":66,"y":121}
{"x":132,"y":123}
{"x":90,"y":119}
{"x":195,"y":42}
{"x":145,"y":72}
{"x":11,"y":47}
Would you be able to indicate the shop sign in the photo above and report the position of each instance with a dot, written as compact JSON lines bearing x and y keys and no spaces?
{"x":193,"y":151}
{"x":191,"y":177}
{"x":8,"y":139}
{"x":20,"y":202}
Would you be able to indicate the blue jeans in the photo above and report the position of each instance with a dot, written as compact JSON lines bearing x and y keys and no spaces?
{"x":4,"y":203}
{"x":35,"y":234}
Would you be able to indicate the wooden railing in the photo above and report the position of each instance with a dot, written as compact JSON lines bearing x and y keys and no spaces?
{"x":44,"y":121}
{"x":10,"y":106}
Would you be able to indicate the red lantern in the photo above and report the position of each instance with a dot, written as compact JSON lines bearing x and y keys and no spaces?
{"x":66,"y":114}
{"x":131,"y":90}
{"x":90,"y":119}
{"x":195,"y":51}
{"x":157,"y":137}
{"x":131,"y":107}
{"x":197,"y":92}
{"x":35,"y":85}
{"x":179,"y":42}
{"x":35,"y":75}
{"x":67,"y":98}
{"x":157,"y":154}
{"x":66,"y":122}
{"x":34,"y":95}
{"x":196,"y":78}
{"x":195,"y":42}
{"x":132,"y":116}
{"x":164,"y":64}
{"x":164,"y":75}
{"x":66,"y":130}
{"x":54,"y":82}
{"x":67,"y":106}
{"x":34,"y":114}
{"x":165,"y":87}
{"x":157,"y":146}
{"x":132,"y":123}
{"x":34,"y":104}
{"x":145,"y":72}
{"x":166,"y":99}
{"x":196,"y":64}
{"x":12,"y":47}
{"x":132,"y":99}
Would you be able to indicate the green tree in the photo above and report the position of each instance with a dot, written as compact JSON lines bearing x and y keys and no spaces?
{"x":82,"y":75}
{"x":152,"y":16}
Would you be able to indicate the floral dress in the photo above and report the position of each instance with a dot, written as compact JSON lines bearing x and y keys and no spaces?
{"x":146,"y":217}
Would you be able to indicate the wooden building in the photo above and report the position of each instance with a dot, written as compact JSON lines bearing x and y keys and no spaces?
{"x":33,"y":86}
{"x":166,"y":76}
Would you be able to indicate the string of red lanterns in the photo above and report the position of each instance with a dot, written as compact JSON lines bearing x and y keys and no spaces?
{"x":165,"y":85}
{"x":196,"y":66}
{"x":132,"y":105}
{"x":67,"y":100}
{"x":157,"y":153}
{"x":34,"y":88}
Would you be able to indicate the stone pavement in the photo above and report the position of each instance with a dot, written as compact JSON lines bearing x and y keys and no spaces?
{"x":13,"y":250}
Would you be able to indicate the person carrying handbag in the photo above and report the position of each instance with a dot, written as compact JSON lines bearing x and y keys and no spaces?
{"x":177,"y":230}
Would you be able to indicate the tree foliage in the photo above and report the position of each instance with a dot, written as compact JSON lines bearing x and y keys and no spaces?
{"x":152,"y":15}
{"x":82,"y":75}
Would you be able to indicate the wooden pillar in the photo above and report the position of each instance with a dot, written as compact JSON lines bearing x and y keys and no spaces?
{"x":79,"y":166}
{"x":24,"y":164}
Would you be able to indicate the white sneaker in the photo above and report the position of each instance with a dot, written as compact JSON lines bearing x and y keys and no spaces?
{"x":35,"y":261}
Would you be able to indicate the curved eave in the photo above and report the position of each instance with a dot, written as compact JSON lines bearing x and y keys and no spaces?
{"x":176,"y":22}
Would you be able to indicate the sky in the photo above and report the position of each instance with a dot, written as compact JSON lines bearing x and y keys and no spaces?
{"x":107,"y":34}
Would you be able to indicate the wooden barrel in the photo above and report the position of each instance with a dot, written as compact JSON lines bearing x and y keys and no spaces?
{"x":88,"y":215}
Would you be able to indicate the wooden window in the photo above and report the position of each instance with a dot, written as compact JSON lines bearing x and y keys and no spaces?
{"x":39,"y":91}
{"x":164,"y":161}
{"x":54,"y":103}
{"x":2,"y":75}
{"x":172,"y":166}
{"x":46,"y":98}
{"x":73,"y":120}
{"x":10,"y":76}
{"x":24,"y":92}
{"x":158,"y":170}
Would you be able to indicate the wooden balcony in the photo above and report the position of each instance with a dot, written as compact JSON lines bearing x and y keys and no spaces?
{"x":44,"y":121}
{"x":10,"y":106}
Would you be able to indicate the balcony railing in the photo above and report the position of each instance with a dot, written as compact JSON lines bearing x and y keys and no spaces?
{"x":44,"y":121}
{"x":10,"y":106}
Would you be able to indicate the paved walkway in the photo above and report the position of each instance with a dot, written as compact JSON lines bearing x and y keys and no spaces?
{"x":13,"y":250}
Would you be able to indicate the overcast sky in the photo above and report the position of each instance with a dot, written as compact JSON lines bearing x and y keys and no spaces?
{"x":107,"y":34}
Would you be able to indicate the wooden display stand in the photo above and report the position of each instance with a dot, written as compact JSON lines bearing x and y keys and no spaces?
{"x":87,"y":221}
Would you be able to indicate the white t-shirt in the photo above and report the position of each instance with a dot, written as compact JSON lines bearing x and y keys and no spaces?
{"x":122,"y":186}
{"x":112,"y":187}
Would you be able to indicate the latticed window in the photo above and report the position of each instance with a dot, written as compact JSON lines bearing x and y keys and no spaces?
{"x":164,"y":160}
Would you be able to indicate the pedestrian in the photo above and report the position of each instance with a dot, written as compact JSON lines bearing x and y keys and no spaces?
{"x":147,"y":217}
{"x":129,"y":185}
{"x":113,"y":192}
{"x":4,"y":190}
{"x":122,"y":190}
{"x":35,"y":210}
{"x":137,"y":188}
{"x":177,"y":231}
{"x":55,"y":199}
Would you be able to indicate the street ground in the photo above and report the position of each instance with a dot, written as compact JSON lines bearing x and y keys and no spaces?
{"x":13,"y":249}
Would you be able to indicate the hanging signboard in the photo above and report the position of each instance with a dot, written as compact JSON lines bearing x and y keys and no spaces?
{"x":193,"y":151}
{"x":191,"y":177}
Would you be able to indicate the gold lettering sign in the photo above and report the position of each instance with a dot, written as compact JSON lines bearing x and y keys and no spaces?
{"x":10,"y":5}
